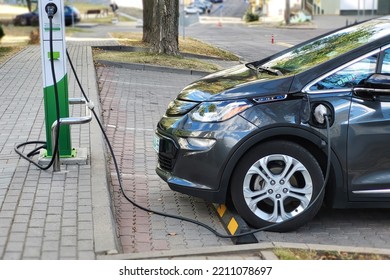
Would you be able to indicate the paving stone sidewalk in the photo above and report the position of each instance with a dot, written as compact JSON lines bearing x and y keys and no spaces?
{"x":46,"y":215}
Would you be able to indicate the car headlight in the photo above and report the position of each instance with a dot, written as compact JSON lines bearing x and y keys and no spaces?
{"x":219,"y":111}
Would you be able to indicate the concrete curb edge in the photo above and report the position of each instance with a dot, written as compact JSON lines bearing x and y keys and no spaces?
{"x":145,"y":67}
{"x":103,"y":221}
{"x":264,"y":248}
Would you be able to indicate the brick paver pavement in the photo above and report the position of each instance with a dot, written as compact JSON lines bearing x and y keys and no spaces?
{"x":42,"y":215}
{"x":133,"y":102}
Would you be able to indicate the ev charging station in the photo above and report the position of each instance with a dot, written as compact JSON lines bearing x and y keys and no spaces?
{"x":57,"y":39}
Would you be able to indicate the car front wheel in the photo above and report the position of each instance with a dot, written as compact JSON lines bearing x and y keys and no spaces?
{"x":23,"y":22}
{"x":277,"y":183}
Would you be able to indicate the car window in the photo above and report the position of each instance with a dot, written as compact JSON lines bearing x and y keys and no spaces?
{"x":349,"y":76}
{"x":386,"y":62}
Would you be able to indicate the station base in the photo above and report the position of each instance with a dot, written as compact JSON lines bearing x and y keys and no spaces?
{"x":80,"y":157}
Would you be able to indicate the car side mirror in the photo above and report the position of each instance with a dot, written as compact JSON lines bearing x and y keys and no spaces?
{"x":374,"y":85}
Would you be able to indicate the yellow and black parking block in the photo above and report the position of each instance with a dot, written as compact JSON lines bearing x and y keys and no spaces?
{"x":235,"y":225}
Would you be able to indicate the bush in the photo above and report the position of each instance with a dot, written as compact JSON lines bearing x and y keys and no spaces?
{"x":1,"y":32}
{"x":34,"y":37}
{"x":249,"y":17}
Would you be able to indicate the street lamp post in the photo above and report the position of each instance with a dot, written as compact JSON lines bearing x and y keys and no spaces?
{"x":287,"y":12}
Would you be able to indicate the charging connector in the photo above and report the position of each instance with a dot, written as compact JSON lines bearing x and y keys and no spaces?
{"x":319,"y":113}
{"x":51,"y":10}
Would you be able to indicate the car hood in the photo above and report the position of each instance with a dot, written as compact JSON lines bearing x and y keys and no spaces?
{"x":237,"y":82}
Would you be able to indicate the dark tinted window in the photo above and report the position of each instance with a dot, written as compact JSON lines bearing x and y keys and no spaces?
{"x":386,"y":62}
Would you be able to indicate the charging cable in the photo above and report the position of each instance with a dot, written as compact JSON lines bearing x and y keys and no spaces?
{"x":185,"y":218}
{"x":51,"y":9}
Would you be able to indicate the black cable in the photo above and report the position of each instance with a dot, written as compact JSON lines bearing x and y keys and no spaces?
{"x":18,"y":146}
{"x":36,"y":150}
{"x":327,"y":173}
{"x":180,"y":217}
{"x":53,"y":72}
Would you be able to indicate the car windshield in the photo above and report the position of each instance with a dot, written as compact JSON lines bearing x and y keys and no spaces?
{"x":330,"y":46}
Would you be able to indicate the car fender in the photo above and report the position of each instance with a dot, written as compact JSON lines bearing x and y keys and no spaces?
{"x":298,"y":134}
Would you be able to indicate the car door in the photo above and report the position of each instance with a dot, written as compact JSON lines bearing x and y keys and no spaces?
{"x":368,"y":146}
{"x":334,"y":89}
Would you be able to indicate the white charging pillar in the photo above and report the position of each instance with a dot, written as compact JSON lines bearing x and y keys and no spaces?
{"x":59,"y":55}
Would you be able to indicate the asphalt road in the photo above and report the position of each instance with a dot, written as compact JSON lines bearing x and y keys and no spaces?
{"x":230,"y":8}
{"x":251,"y":42}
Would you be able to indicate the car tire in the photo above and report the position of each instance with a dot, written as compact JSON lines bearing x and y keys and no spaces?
{"x":277,"y":185}
{"x":23,"y":22}
{"x":35,"y":21}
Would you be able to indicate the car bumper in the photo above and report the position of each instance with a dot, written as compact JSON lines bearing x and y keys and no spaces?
{"x":192,"y":156}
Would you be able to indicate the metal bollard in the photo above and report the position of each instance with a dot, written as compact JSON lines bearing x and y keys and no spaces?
{"x":69,"y":121}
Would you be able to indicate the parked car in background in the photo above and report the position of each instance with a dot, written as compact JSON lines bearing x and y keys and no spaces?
{"x":300,"y":16}
{"x":192,"y":9}
{"x":216,"y":1}
{"x":71,"y":15}
{"x":280,"y":136}
{"x":205,"y":5}
{"x":31,"y":18}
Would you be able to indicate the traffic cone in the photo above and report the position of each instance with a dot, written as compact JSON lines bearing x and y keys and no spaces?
{"x":219,"y":24}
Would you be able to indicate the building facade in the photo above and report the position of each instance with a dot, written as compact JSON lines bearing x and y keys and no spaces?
{"x":346,"y":7}
{"x":275,"y":8}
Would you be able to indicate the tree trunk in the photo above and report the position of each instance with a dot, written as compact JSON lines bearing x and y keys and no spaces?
{"x":148,"y":12}
{"x":29,"y":5}
{"x":166,"y":27}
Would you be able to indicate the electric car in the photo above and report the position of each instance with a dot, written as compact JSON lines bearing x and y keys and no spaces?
{"x":279,"y":137}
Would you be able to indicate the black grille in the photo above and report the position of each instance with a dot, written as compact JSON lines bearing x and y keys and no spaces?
{"x":167,"y":154}
{"x":165,"y":162}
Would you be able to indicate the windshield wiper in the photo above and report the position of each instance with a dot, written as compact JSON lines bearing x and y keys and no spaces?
{"x":251,"y":66}
{"x":264,"y":69}
{"x":270,"y":70}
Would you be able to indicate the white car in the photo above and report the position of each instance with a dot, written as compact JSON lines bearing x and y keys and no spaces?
{"x":190,"y":10}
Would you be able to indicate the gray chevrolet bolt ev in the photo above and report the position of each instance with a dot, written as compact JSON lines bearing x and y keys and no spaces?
{"x":258,"y":134}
